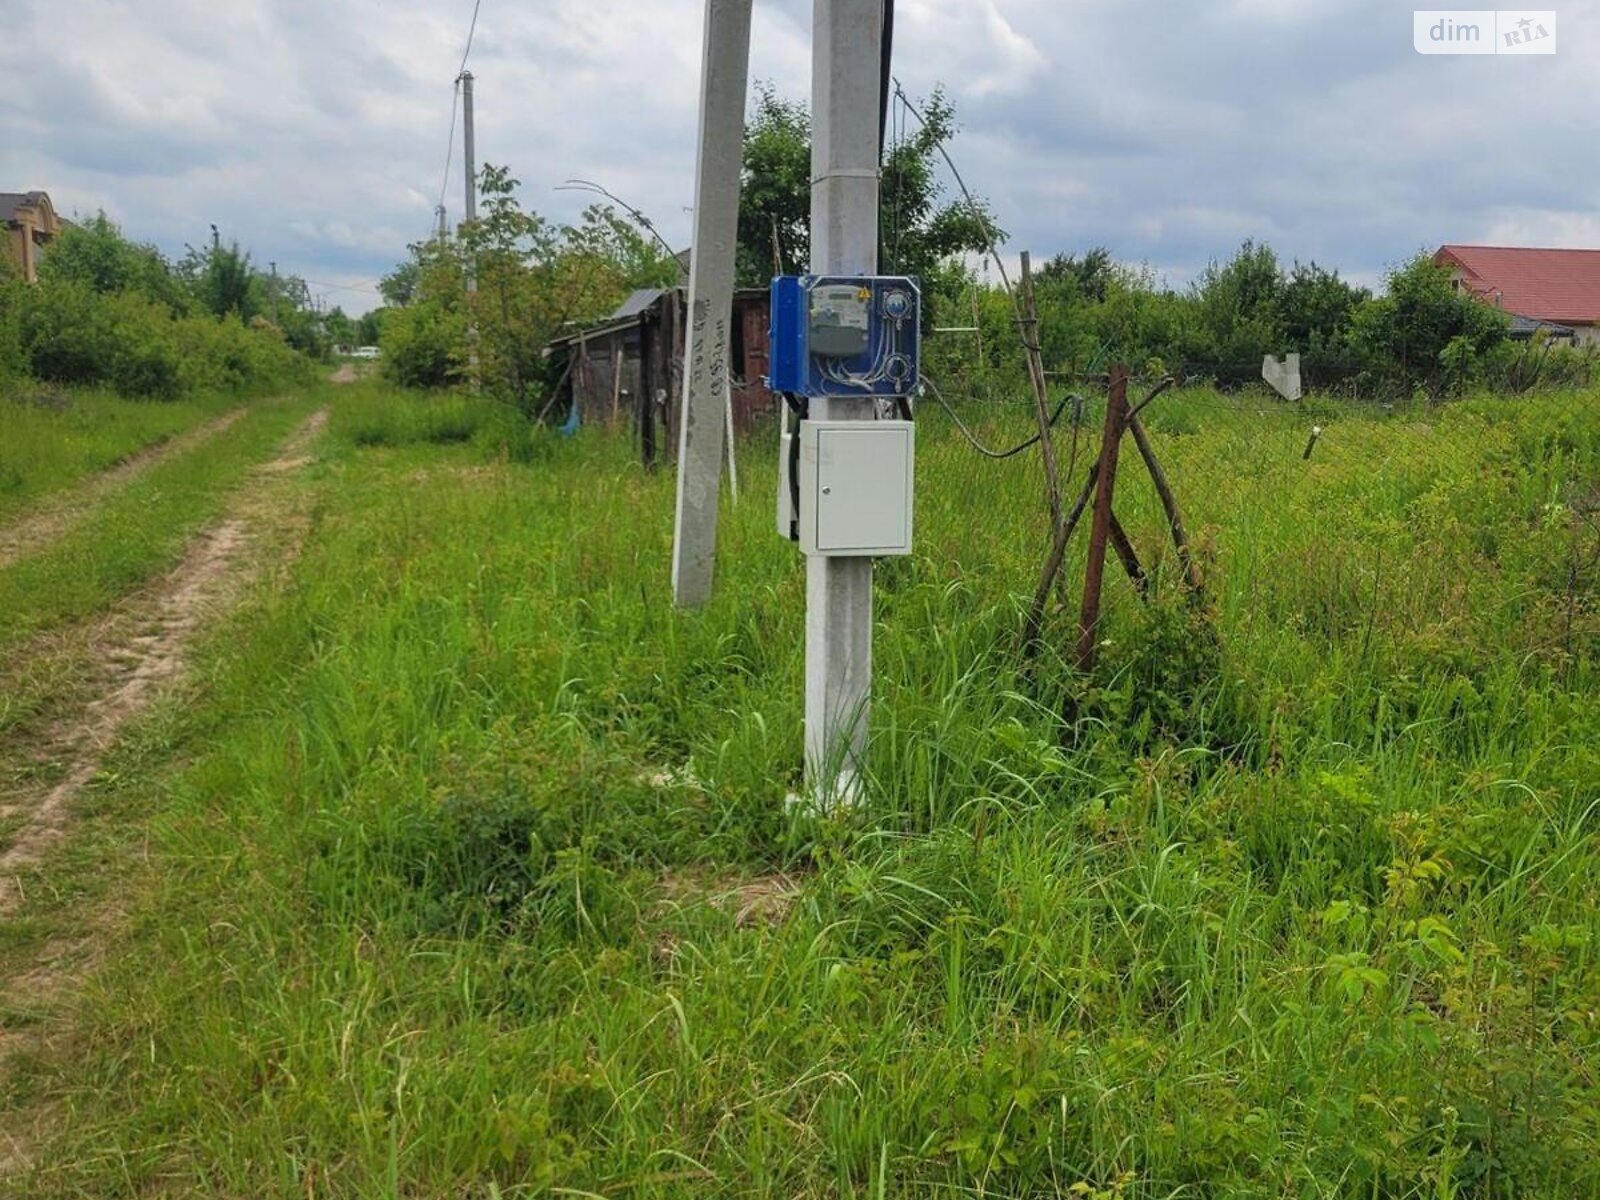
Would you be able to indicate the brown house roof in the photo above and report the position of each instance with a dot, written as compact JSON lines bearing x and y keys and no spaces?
{"x":11,"y":201}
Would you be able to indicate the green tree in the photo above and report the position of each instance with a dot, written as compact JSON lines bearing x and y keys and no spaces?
{"x":338,"y":326}
{"x":775,"y":190}
{"x":1317,"y":308}
{"x":1088,"y":278}
{"x":1141,"y":323}
{"x":1237,"y":313}
{"x":424,"y":343}
{"x":369,"y":329}
{"x":533,"y":278}
{"x":222,"y":280}
{"x":1071,"y":294}
{"x":918,"y":227}
{"x":400,"y":285}
{"x":96,"y":255}
{"x":1423,"y":333}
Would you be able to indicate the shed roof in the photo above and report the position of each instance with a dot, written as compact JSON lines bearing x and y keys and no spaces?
{"x":633,"y":309}
{"x":1523,"y":327}
{"x":1544,"y":284}
{"x":636,"y":304}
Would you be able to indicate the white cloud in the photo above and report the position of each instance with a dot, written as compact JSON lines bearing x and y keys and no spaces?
{"x":1562,"y":230}
{"x":314,"y":130}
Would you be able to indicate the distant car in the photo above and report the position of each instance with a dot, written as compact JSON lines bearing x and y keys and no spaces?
{"x":366,"y":352}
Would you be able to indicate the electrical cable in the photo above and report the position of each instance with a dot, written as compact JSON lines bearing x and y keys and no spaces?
{"x":365,"y":285}
{"x":896,"y":156}
{"x":801,"y":406}
{"x":1071,"y":398}
{"x":885,"y":75}
{"x":472,"y":28}
{"x":450,"y":146}
{"x":455,"y":102}
{"x":977,"y":211}
{"x":588,"y":185}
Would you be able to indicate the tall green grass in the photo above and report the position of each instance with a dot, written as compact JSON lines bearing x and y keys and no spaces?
{"x":140,"y":529}
{"x":1298,"y":901}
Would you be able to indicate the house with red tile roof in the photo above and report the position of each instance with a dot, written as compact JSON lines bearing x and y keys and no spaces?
{"x":1551,"y":289}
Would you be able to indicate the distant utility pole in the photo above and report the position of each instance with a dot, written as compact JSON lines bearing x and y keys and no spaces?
{"x":469,"y":152}
{"x":469,"y":146}
{"x":846,"y":83}
{"x":706,"y":396}
{"x":444,"y":227}
{"x":274,"y":267}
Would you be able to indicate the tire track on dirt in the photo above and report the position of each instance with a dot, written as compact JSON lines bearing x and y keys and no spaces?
{"x":59,"y":513}
{"x":136,"y":654}
{"x":138,"y":649}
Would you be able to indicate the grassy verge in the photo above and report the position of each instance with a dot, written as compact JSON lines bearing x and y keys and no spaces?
{"x":53,"y":439}
{"x":1303,"y":903}
{"x":140,"y":530}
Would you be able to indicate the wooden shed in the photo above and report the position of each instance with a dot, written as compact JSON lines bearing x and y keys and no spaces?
{"x":628,"y":369}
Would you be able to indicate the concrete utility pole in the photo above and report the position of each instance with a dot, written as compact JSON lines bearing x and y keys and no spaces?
{"x":706,"y":398}
{"x":846,"y":85}
{"x":469,"y":146}
{"x":444,"y":226}
{"x":469,"y":152}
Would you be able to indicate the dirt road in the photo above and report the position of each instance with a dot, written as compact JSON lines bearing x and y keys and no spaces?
{"x":49,"y":521}
{"x":131,"y":657}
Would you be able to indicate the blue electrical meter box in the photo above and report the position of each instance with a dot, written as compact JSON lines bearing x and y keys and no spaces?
{"x":836,"y":335}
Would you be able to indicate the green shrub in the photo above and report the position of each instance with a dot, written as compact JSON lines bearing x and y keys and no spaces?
{"x":109,"y":312}
{"x":12,"y":364}
{"x":419,"y":344}
{"x":144,"y":358}
{"x":65,"y":332}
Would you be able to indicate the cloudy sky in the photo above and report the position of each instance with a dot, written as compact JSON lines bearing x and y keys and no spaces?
{"x":314,"y":131}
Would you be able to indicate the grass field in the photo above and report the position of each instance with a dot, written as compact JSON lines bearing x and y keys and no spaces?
{"x":137,"y":531}
{"x":53,"y":439}
{"x":461,"y":867}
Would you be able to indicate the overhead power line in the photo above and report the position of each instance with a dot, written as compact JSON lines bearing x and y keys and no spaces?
{"x":472,"y":28}
{"x":455,"y":103}
{"x":645,"y":223}
{"x":450,"y":145}
{"x":365,"y":285}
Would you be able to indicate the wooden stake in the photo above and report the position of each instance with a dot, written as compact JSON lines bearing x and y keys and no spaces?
{"x":1034,"y":621}
{"x":674,"y":340}
{"x":644,"y":405}
{"x":584,"y":380}
{"x":616,"y":387}
{"x":555,"y":392}
{"x":1041,"y":397}
{"x":1100,"y":527}
{"x":1130,"y":558}
{"x":1180,"y":537}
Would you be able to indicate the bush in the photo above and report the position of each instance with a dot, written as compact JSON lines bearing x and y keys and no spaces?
{"x":144,"y":358}
{"x":67,"y":333}
{"x":63,"y":334}
{"x":12,"y":364}
{"x":419,"y":344}
{"x":113,"y":313}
